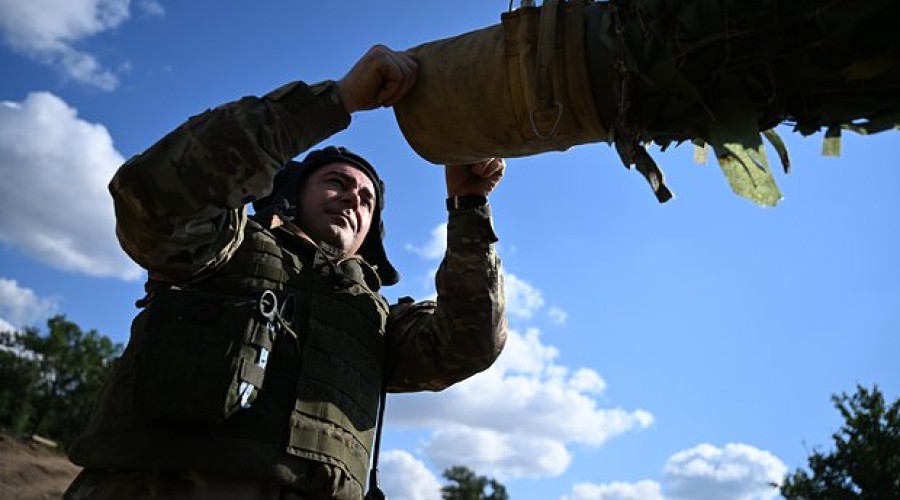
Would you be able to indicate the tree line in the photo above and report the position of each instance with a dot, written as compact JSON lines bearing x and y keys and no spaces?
{"x":49,"y":382}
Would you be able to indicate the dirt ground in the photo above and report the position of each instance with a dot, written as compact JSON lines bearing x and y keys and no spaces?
{"x":32,"y":471}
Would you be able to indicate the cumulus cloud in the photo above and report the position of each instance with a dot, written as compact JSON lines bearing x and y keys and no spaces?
{"x":404,"y":477}
{"x":6,"y":326}
{"x":435,"y":246}
{"x":47,"y":31}
{"x":736,"y":472}
{"x":503,"y":454}
{"x":705,"y":472}
{"x":20,"y":306}
{"x":54,"y":205}
{"x":518,"y":418}
{"x":152,"y":8}
{"x":557,"y":315}
{"x":522,"y":298}
{"x":525,"y":354}
{"x":641,"y":490}
{"x":521,"y":417}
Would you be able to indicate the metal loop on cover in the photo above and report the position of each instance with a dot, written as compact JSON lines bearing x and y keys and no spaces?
{"x":534,"y":127}
{"x":268,"y":304}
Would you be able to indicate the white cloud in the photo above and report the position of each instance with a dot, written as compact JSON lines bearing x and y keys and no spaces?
{"x":46,"y":31}
{"x":498,"y":453}
{"x":586,"y":381}
{"x":735,"y":472}
{"x":152,"y":8}
{"x":522,"y":298}
{"x":20,"y":307}
{"x":435,"y":247}
{"x":518,"y":418}
{"x":54,"y":204}
{"x":403,"y":477}
{"x":6,"y":326}
{"x":557,"y":315}
{"x":641,"y":490}
{"x":525,"y":354}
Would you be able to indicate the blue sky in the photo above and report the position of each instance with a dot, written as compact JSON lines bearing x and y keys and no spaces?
{"x":683,"y":350}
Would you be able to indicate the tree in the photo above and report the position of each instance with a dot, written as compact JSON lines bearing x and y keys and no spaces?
{"x":48,"y":384}
{"x":470,"y":486}
{"x":18,"y":374}
{"x":865,"y":462}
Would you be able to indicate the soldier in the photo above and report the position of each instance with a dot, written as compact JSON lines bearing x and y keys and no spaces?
{"x":256,"y":365}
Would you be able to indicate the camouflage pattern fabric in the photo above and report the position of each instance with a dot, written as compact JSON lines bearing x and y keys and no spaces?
{"x":423,"y":353}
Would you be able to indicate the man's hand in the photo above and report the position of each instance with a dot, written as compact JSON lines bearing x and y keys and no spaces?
{"x":475,"y":178}
{"x":380,"y":78}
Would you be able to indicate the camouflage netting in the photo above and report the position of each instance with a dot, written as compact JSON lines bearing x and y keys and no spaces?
{"x":724,"y":73}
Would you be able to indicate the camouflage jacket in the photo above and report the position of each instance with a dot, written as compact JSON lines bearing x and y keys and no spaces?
{"x":181,"y":210}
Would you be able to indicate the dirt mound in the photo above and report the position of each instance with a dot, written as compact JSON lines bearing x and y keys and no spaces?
{"x":32,"y":471}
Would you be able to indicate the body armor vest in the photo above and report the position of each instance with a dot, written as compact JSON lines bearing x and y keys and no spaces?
{"x":322,"y":381}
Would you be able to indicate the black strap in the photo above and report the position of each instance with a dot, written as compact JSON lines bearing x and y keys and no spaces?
{"x":375,"y":492}
{"x":465,"y":201}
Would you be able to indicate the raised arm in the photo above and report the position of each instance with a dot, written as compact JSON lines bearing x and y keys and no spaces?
{"x":434,"y":344}
{"x":180,"y":205}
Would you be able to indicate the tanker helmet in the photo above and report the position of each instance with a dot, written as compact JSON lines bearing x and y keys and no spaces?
{"x":286,"y":189}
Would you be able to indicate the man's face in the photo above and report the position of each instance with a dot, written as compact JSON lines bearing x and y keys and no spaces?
{"x":336,"y":206}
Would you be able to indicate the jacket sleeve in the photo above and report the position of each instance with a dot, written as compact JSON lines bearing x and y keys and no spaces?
{"x":434,"y":344}
{"x":180,"y":205}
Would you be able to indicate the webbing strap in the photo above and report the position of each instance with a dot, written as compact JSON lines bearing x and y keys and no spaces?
{"x":252,"y":373}
{"x":330,"y":412}
{"x":264,"y":262}
{"x":546,"y":54}
{"x":263,"y":337}
{"x":375,"y":492}
{"x":323,"y":437}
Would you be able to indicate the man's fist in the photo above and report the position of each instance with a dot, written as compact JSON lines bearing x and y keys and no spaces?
{"x":474,"y":178}
{"x":380,"y":78}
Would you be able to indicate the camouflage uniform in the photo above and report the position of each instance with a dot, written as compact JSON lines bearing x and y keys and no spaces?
{"x":181,"y":213}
